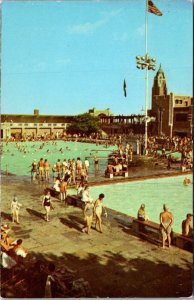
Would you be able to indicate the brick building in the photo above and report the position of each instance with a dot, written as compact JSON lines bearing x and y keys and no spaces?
{"x":173,"y":112}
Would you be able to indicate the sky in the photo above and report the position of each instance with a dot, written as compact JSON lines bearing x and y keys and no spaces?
{"x":66,"y":57}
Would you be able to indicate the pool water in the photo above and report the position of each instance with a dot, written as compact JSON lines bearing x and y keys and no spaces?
{"x":19,"y":163}
{"x":123,"y":197}
{"x":127,"y":197}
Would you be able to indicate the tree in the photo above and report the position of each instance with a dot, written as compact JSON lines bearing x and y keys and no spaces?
{"x":84,"y":124}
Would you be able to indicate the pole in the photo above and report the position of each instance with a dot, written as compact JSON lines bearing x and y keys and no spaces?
{"x":146,"y":77}
{"x":146,"y":111}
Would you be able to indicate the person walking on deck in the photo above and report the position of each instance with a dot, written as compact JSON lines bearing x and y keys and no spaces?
{"x":15,"y":208}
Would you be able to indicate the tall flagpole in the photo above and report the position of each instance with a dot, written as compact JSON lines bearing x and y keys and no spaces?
{"x":145,"y":62}
{"x":146,"y":78}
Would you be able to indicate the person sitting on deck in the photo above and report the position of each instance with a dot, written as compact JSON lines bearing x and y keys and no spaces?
{"x":7,"y":243}
{"x":141,"y":214}
{"x":117,"y":169}
{"x":187,"y":228}
{"x":56,"y":185}
{"x":18,"y":251}
{"x":80,"y":189}
{"x":86,"y":195}
{"x":109,"y":170}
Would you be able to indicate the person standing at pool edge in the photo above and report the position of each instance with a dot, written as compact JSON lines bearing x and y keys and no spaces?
{"x":96,"y":164}
{"x":34,"y":169}
{"x":15,"y":208}
{"x":88,"y":216}
{"x":98,"y":206}
{"x":166,"y":221}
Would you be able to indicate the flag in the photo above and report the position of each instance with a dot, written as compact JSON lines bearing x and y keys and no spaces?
{"x":153,"y":9}
{"x":125,"y":88}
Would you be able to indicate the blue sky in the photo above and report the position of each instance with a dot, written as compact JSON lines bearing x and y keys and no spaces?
{"x":65,"y":57}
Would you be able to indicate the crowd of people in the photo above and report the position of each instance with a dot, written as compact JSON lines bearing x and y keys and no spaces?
{"x":67,"y":170}
{"x":76,"y":172}
{"x":12,"y":250}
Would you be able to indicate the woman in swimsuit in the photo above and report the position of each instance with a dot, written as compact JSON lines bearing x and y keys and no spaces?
{"x":47,"y":205}
{"x":88,"y":216}
{"x":98,"y":206}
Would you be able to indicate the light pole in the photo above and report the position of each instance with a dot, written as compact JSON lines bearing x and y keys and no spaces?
{"x":147,"y":63}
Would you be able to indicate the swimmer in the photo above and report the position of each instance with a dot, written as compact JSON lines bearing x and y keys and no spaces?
{"x":186,"y":181}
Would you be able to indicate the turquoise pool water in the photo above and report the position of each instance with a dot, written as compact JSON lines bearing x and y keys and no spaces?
{"x":127,"y":197}
{"x":19,"y":163}
{"x":124,"y":197}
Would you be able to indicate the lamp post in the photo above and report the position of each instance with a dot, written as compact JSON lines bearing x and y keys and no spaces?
{"x":147,"y":63}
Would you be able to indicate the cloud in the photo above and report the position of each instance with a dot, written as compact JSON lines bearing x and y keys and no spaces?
{"x":84,"y":28}
{"x":124,"y":37}
{"x":141,"y":30}
{"x":89,"y":27}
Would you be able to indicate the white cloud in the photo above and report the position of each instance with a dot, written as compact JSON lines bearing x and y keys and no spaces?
{"x":141,"y":30}
{"x":89,"y":27}
{"x":121,"y":37}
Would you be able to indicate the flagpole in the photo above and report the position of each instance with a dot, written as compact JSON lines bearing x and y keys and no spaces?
{"x":145,"y":62}
{"x":146,"y":77}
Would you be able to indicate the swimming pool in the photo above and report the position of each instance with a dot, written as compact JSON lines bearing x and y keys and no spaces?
{"x":19,"y":162}
{"x":127,"y":197}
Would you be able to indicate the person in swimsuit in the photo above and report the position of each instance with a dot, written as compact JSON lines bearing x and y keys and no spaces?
{"x":187,"y":228}
{"x":98,"y":207}
{"x":34,"y":169}
{"x":46,"y":203}
{"x":141,"y":214}
{"x":41,"y":168}
{"x":88,"y":216}
{"x":96,"y":161}
{"x":46,"y":169}
{"x":186,"y":181}
{"x":63,"y":191}
{"x":15,"y":208}
{"x":166,"y":221}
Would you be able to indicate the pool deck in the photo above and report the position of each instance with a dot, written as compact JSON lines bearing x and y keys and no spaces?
{"x":116,"y":263}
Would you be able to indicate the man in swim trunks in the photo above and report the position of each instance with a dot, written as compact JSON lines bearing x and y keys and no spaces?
{"x":187,"y":228}
{"x":166,"y":221}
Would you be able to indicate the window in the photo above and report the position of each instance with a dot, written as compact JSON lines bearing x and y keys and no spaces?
{"x":181,"y":117}
{"x":178,"y":101}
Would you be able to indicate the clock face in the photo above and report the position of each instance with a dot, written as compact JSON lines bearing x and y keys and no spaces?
{"x":160,"y":80}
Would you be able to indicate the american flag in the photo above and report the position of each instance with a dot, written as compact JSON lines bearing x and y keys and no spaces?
{"x":153,"y":9}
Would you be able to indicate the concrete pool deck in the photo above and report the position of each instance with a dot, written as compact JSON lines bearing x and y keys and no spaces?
{"x":116,"y":263}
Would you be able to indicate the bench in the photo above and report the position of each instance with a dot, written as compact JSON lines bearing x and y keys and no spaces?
{"x":53,"y":192}
{"x":147,"y":229}
{"x":75,"y":200}
{"x":184,"y":242}
{"x":151,"y":231}
{"x":115,"y":174}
